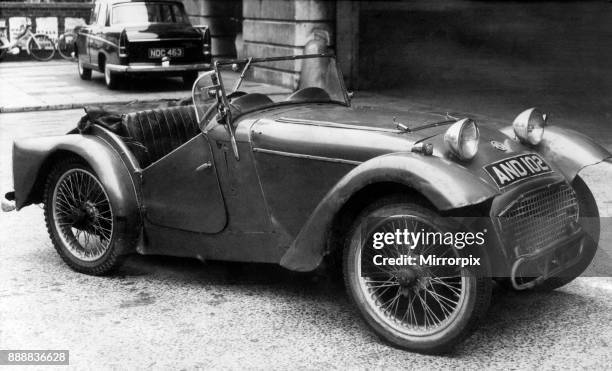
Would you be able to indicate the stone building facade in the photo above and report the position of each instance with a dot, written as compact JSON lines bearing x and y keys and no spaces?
{"x":405,"y":42}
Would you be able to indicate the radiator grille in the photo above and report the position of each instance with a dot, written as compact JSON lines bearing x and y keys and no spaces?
{"x":539,"y":218}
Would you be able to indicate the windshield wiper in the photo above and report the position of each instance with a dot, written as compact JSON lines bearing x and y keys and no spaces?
{"x":433,"y":125}
{"x":401,"y":126}
{"x":449,"y":120}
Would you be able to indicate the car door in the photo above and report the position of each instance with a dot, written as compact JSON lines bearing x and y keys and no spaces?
{"x":84,"y":36}
{"x":181,"y":190}
{"x":96,"y":30}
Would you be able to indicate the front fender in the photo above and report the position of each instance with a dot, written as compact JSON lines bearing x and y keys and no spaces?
{"x":445,"y":184}
{"x":31,"y":161}
{"x":568,"y":149}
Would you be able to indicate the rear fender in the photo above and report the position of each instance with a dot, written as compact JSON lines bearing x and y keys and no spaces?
{"x":445,"y":184}
{"x":568,"y":149}
{"x":34,"y":157}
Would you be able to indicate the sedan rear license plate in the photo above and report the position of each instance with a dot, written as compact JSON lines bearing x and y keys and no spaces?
{"x":166,"y":52}
{"x":514,"y":169}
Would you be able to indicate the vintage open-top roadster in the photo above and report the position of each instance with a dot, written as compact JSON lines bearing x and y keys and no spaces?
{"x":300,"y":178}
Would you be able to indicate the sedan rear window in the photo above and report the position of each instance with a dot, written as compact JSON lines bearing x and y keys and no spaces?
{"x":143,"y":12}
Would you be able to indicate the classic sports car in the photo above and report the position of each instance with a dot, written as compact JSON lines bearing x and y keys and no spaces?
{"x":128,"y":37}
{"x":300,"y":178}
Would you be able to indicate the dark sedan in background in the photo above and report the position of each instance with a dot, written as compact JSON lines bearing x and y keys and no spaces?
{"x":128,"y":37}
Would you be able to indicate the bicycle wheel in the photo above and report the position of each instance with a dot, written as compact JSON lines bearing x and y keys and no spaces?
{"x":3,"y":50}
{"x":65,"y":46}
{"x":41,"y":47}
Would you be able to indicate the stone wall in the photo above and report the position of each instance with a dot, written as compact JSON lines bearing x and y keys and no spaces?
{"x":283,"y":27}
{"x":223,"y":17}
{"x":559,"y":47}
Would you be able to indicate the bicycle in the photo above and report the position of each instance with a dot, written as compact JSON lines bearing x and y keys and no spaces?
{"x":40,"y":46}
{"x":65,"y":45}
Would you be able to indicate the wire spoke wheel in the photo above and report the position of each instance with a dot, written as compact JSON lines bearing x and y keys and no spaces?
{"x":402,"y":292}
{"x":41,"y":47}
{"x":82,"y":215}
{"x":414,"y":300}
{"x":3,"y":49}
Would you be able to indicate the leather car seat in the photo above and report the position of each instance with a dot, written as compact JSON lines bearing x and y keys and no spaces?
{"x":157,"y":132}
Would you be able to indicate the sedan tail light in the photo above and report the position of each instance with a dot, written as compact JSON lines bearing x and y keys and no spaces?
{"x":123,"y":45}
{"x":205,"y":31}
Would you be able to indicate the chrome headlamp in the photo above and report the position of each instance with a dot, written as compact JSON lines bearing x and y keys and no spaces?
{"x":529,"y":126}
{"x":462,"y":139}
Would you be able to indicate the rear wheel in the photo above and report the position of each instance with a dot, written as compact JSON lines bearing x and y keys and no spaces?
{"x":420,"y":308}
{"x":81,"y":221}
{"x":41,"y":47}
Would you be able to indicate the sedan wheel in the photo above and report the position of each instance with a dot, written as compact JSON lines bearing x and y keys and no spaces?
{"x":84,"y":73}
{"x":80,"y":219}
{"x":421,"y":308}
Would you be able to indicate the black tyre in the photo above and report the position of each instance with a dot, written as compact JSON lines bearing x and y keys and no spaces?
{"x":84,"y":72}
{"x":589,"y":220}
{"x":422,"y":309}
{"x":80,"y":219}
{"x":189,"y":78}
{"x":65,"y":46}
{"x":112,"y":79}
{"x":3,"y":51}
{"x":41,"y":47}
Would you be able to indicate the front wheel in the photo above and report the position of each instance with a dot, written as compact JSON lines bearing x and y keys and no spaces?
{"x":84,"y":72}
{"x":421,"y":308}
{"x":65,"y":46}
{"x":41,"y":47}
{"x":81,"y":221}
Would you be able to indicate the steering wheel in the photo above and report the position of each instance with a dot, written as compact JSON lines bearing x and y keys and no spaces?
{"x":236,"y":94}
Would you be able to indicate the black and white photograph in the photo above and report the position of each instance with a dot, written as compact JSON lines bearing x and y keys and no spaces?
{"x":305,"y":184}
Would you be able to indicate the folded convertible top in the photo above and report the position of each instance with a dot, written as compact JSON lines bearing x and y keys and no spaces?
{"x":109,"y":116}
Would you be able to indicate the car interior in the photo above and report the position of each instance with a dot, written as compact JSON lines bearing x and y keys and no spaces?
{"x":153,"y":133}
{"x":157,"y":132}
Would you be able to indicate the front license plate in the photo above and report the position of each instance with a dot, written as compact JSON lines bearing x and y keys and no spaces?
{"x":166,"y":52}
{"x":517,"y":168}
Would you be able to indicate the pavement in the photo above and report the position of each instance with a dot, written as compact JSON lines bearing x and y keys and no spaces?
{"x":167,"y":313}
{"x":53,"y":85}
